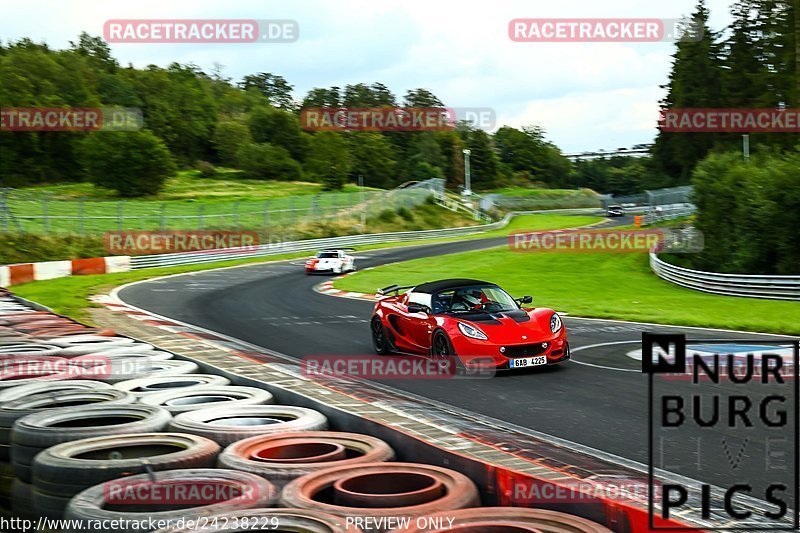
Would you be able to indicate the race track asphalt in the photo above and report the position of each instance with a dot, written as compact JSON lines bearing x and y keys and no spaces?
{"x":599,"y":399}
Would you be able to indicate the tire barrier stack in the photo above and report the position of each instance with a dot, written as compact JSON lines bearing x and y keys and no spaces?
{"x":99,"y":427}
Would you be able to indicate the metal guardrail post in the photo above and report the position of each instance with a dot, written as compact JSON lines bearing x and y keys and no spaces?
{"x":45,"y":213}
{"x":81,"y":227}
{"x":4,"y":208}
{"x":162,"y":223}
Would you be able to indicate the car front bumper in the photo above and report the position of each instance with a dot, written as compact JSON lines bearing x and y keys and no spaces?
{"x":474,"y":353}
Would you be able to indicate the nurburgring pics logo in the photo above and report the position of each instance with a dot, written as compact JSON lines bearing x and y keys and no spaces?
{"x":733,"y":120}
{"x":743,"y":422}
{"x":229,"y":31}
{"x":176,"y":241}
{"x":70,"y":119}
{"x":616,"y":241}
{"x":603,"y":30}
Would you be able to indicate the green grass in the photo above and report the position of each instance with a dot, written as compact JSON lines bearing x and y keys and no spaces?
{"x":531,"y":191}
{"x":190,"y":186}
{"x":619,"y":286}
{"x":70,"y":296}
{"x":188,"y":201}
{"x":543,"y":222}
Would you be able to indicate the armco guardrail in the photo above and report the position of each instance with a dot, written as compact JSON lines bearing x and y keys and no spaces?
{"x":753,"y":286}
{"x":264,"y":250}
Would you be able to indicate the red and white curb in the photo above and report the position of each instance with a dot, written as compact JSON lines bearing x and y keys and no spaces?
{"x":25,"y":272}
{"x":328,"y":288}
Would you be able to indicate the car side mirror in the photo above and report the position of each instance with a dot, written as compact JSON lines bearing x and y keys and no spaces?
{"x":525,"y":299}
{"x":418,"y":308}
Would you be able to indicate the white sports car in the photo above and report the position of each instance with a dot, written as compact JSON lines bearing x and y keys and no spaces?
{"x":335,"y":261}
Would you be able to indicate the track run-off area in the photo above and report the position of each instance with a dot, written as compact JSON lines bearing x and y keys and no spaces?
{"x":599,"y":399}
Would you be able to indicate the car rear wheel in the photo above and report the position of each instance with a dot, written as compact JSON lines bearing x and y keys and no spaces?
{"x":379,"y":341}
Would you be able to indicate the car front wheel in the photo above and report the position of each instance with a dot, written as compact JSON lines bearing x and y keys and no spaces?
{"x":379,"y":341}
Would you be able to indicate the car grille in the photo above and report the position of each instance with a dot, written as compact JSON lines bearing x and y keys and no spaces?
{"x":526,"y":350}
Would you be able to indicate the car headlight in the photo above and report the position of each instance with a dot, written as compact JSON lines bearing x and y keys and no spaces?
{"x":472,"y":331}
{"x":555,"y":323}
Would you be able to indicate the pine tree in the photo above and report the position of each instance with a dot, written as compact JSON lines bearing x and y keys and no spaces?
{"x":693,"y":83}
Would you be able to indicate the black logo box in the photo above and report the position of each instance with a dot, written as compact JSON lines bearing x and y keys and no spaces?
{"x":678,"y":342}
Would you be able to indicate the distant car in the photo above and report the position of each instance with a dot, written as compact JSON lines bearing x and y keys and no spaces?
{"x":476,"y":322}
{"x":615,"y":211}
{"x":335,"y":261}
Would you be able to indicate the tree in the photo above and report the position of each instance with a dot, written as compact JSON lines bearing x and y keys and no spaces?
{"x":279,"y":128}
{"x":320,"y":97}
{"x":527,"y":150}
{"x":373,"y":158}
{"x":693,"y":83}
{"x":267,"y":162}
{"x":451,"y":146}
{"x":422,"y":98}
{"x":178,"y":106}
{"x":483,"y":161}
{"x":329,"y":159}
{"x":229,"y":137}
{"x":134,"y":163}
{"x":275,"y":88}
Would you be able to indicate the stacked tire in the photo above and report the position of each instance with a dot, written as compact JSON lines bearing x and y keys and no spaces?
{"x":34,"y":433}
{"x":149,"y":422}
{"x":64,"y":470}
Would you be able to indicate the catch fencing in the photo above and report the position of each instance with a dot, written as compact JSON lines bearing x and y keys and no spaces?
{"x":30,"y":211}
{"x":543,"y":199}
{"x":753,"y":286}
{"x":277,"y":248}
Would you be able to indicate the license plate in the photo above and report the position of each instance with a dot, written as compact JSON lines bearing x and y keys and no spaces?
{"x":527,"y":361}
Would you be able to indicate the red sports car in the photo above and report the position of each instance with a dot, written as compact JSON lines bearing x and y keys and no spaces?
{"x":476,"y":321}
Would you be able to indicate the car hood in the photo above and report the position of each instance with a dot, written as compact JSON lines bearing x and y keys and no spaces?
{"x":511,"y":326}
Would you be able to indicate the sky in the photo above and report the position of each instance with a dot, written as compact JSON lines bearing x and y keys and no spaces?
{"x":586,"y":96}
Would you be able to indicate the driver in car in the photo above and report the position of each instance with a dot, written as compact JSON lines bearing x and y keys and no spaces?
{"x":467,"y":299}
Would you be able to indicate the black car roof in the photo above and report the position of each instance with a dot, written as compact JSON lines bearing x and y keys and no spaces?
{"x":432,"y":287}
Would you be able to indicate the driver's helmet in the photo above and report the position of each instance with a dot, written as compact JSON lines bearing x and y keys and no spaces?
{"x":472,"y":297}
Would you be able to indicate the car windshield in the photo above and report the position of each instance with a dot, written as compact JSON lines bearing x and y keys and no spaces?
{"x":486,"y":298}
{"x":327,"y":255}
